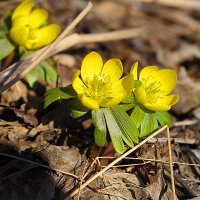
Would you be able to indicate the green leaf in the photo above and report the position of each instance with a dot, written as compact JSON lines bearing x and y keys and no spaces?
{"x":7,"y":19}
{"x":99,"y":122}
{"x":126,"y":106}
{"x":77,"y":113}
{"x":130,"y":99}
{"x":6,"y":47}
{"x":163,"y":118}
{"x":3,"y":32}
{"x":137,"y":116}
{"x":50,"y":73}
{"x":137,"y":83}
{"x":76,"y":107}
{"x":128,"y":103}
{"x":58,"y":94}
{"x":33,"y":75}
{"x":126,"y":124}
{"x":44,"y":70}
{"x":149,"y":124}
{"x":114,"y":130}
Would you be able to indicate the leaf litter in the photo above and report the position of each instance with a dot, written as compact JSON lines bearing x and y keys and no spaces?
{"x":51,"y":137}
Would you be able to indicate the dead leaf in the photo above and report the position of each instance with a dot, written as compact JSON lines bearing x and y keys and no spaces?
{"x":14,"y":94}
{"x":61,"y":157}
{"x":189,"y":91}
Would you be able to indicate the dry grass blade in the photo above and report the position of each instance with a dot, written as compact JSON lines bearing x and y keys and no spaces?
{"x":171,"y":165}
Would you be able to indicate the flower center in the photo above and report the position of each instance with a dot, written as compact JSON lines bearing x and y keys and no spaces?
{"x":98,"y":87}
{"x":152,"y":89}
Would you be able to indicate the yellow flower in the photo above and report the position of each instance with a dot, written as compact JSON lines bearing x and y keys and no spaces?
{"x":30,"y":29}
{"x":153,"y":86}
{"x":99,"y":85}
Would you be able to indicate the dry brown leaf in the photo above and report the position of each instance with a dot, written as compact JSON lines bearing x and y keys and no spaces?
{"x":189,"y":91}
{"x":63,"y":157}
{"x":15,"y":93}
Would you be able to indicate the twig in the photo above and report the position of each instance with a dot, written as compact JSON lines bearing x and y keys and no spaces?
{"x":7,"y":76}
{"x":171,"y":165}
{"x":152,"y":160}
{"x":76,"y":38}
{"x":82,"y":177}
{"x":40,"y":165}
{"x":186,"y":122}
{"x":184,"y":4}
{"x":44,"y":53}
{"x":114,"y":162}
{"x":175,"y":140}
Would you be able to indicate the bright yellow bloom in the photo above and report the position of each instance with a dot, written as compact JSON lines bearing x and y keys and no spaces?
{"x":30,"y":29}
{"x":99,"y":85}
{"x":153,"y":86}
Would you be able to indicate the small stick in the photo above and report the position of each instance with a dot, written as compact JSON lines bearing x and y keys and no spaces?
{"x":114,"y":162}
{"x":82,"y":178}
{"x":184,"y":4}
{"x":186,"y":122}
{"x":171,"y":165}
{"x":176,"y":140}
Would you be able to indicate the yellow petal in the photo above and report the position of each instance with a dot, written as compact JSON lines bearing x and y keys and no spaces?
{"x":89,"y":102}
{"x":19,"y":34}
{"x":147,"y":71}
{"x":140,"y":95}
{"x":134,"y":70}
{"x":164,"y":104}
{"x":121,"y":89}
{"x":23,"y":9}
{"x":77,"y":83}
{"x":112,"y":68}
{"x":43,"y":36}
{"x":167,"y":78}
{"x":20,"y":21}
{"x":92,"y":65}
{"x":38,"y":18}
{"x":157,"y":107}
{"x":169,"y":100}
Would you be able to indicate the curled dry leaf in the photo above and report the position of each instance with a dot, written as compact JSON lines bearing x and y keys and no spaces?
{"x":61,"y":157}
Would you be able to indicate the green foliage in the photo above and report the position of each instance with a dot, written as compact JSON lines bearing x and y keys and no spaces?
{"x":121,"y":128}
{"x":114,"y":130}
{"x":44,"y":70}
{"x":128,"y":103}
{"x":125,"y":123}
{"x":77,"y":109}
{"x":6,"y":47}
{"x":7,"y":20}
{"x":99,"y":122}
{"x":147,"y":121}
{"x":149,"y":124}
{"x":55,"y":94}
{"x":137,"y":116}
{"x":163,"y":118}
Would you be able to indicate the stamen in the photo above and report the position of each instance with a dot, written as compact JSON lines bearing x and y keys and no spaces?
{"x":152,"y":89}
{"x":98,"y":87}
